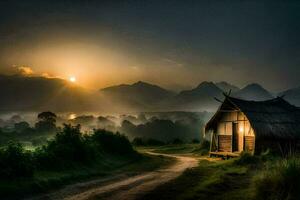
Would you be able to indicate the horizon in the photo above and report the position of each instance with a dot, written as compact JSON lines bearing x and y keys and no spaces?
{"x":74,"y":83}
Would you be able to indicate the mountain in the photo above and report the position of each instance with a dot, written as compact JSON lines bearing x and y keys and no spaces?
{"x":138,"y":96}
{"x":38,"y":94}
{"x":226,"y":87}
{"x":21,"y":93}
{"x":254,"y":92}
{"x":199,"y":98}
{"x":292,"y":95}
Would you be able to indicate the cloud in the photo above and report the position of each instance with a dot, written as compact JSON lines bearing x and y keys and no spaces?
{"x":28,"y":71}
{"x":23,"y":70}
{"x":46,"y":75}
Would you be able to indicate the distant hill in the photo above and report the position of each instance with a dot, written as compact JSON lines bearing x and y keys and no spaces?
{"x":138,"y":96}
{"x":39,"y":93}
{"x":199,"y":98}
{"x":254,"y":92}
{"x":226,"y":87}
{"x":292,"y":95}
{"x":21,"y":93}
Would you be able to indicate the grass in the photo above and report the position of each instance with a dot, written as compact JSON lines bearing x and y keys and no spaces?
{"x":210,"y":180}
{"x":193,"y":149}
{"x":265,"y":177}
{"x":44,"y":181}
{"x":280,"y":180}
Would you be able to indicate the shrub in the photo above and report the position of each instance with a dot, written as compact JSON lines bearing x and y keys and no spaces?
{"x":112,"y":143}
{"x":67,"y":148}
{"x":15,"y":162}
{"x":138,"y":141}
{"x":281,"y":182}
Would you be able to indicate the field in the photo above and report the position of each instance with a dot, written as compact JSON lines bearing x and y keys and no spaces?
{"x":264,"y":177}
{"x":187,"y":149}
{"x":44,"y":181}
{"x":247,"y":177}
{"x":211,"y":179}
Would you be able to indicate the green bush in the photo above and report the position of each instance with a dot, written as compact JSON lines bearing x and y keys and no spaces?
{"x":69,"y":147}
{"x":111,"y":143}
{"x":138,"y":141}
{"x":280,"y":182}
{"x":15,"y":162}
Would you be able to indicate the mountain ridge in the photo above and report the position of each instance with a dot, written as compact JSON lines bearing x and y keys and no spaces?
{"x":40,"y":93}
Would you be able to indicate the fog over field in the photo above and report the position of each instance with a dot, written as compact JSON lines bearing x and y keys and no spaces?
{"x":163,"y":126}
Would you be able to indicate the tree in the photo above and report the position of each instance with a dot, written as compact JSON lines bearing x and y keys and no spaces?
{"x":21,"y":126}
{"x":46,"y":122}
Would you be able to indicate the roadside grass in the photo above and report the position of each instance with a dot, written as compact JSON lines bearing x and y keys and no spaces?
{"x":279,"y":180}
{"x":44,"y":181}
{"x":194,"y":149}
{"x":210,"y":180}
{"x":265,"y":177}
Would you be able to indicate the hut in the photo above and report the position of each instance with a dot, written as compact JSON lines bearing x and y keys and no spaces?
{"x":253,"y":126}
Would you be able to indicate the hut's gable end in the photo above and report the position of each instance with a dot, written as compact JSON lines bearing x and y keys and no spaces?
{"x":226,"y":120}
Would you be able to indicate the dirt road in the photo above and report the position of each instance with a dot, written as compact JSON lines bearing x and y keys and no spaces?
{"x":123,"y":188}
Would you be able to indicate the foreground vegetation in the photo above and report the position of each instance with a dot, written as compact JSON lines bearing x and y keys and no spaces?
{"x":248,"y":177}
{"x":69,"y":157}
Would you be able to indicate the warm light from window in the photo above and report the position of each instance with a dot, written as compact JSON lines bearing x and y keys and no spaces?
{"x":241,"y":129}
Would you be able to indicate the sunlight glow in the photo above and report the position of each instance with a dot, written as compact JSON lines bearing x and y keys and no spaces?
{"x":72,"y":116}
{"x":72,"y":79}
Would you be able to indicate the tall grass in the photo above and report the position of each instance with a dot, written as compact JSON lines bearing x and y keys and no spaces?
{"x":279,"y":182}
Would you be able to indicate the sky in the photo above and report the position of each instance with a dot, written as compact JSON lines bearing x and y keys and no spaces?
{"x":176,"y":44}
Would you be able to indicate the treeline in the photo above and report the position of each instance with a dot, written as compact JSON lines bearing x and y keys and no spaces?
{"x":16,"y":129}
{"x":164,"y":130}
{"x":164,"y":127}
{"x":69,"y":148}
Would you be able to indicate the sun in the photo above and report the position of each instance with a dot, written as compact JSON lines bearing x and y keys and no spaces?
{"x":72,"y":79}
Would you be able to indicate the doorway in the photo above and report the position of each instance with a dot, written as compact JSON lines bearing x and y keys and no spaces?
{"x":235,"y":137}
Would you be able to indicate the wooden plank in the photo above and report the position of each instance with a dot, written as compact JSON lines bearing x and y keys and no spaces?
{"x":224,"y":143}
{"x":224,"y":154}
{"x":249,"y":143}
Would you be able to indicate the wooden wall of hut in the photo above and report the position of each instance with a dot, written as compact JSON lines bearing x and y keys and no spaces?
{"x":234,"y":122}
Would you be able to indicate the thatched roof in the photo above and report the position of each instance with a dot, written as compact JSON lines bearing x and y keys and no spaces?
{"x":274,"y":118}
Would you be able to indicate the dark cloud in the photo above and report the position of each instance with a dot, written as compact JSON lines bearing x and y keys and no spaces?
{"x":216,"y":40}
